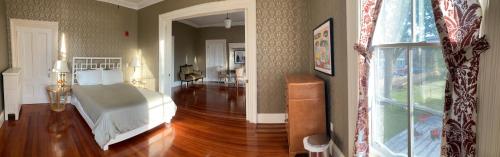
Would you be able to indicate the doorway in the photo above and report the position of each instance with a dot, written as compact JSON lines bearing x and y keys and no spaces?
{"x":34,"y":49}
{"x":166,"y":67}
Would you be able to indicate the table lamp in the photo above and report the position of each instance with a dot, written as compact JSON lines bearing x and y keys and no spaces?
{"x":61,"y":68}
{"x":136,"y":63}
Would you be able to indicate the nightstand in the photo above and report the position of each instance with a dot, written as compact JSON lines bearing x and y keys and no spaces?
{"x":58,"y":97}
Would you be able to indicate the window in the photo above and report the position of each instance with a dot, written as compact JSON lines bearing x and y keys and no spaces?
{"x":407,"y":81}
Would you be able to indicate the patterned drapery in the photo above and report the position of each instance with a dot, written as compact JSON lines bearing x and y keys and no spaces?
{"x":458,"y":23}
{"x":371,"y":10}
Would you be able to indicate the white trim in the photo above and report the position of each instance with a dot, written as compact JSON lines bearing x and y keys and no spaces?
{"x":352,"y":21}
{"x":2,"y":118}
{"x":271,"y":117}
{"x":192,"y":24}
{"x":187,"y":22}
{"x":213,"y":8}
{"x":15,"y":23}
{"x":132,"y":5}
{"x":146,"y":3}
{"x":241,"y":23}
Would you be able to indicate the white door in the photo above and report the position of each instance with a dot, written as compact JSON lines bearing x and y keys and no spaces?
{"x":34,"y":50}
{"x":215,"y":57}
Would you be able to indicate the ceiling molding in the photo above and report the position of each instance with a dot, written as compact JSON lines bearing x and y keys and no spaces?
{"x":132,"y":5}
{"x":146,"y":3}
{"x":192,"y":24}
{"x":239,"y":23}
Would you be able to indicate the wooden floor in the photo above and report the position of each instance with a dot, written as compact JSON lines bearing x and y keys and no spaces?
{"x":212,"y":98}
{"x":203,"y":126}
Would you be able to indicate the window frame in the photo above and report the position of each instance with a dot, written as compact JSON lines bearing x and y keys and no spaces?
{"x":409,"y":74}
{"x":408,"y":46}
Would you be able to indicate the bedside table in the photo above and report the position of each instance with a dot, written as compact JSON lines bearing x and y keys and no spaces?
{"x":58,"y":97}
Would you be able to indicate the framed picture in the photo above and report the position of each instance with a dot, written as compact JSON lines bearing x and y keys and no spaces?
{"x":239,"y":56}
{"x":323,"y":47}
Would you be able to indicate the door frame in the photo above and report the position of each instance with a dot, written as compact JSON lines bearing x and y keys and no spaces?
{"x":14,"y":26}
{"x":206,"y":58}
{"x":212,"y":8}
{"x":17,"y":24}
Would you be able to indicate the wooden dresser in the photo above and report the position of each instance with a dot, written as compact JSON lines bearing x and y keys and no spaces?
{"x":305,"y":96}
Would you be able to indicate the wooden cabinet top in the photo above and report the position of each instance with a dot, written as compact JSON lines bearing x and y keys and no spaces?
{"x":303,"y":79}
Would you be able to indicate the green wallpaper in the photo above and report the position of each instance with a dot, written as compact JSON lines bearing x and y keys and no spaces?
{"x":4,"y":55}
{"x":92,"y":28}
{"x":282,"y":48}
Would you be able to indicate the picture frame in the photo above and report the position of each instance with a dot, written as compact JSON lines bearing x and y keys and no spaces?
{"x":323,"y":48}
{"x":239,"y":57}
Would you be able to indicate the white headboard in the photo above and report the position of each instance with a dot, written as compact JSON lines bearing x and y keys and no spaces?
{"x":92,"y":63}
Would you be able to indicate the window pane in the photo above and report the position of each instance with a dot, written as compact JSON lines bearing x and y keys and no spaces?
{"x":428,"y":84}
{"x":425,"y":26}
{"x":388,"y":101}
{"x":394,"y":22}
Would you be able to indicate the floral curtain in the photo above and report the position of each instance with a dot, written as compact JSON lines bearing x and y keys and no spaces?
{"x":370,"y":12}
{"x":458,"y":23}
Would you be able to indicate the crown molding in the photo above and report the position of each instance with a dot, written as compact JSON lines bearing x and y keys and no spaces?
{"x":240,"y":23}
{"x":132,"y":5}
{"x":146,"y":3}
{"x":192,"y":24}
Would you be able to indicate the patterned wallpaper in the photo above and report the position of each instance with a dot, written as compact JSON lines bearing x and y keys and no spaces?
{"x":4,"y":62}
{"x":92,"y":28}
{"x":282,"y":48}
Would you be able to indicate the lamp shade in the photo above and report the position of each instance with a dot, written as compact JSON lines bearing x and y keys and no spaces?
{"x":136,"y":62}
{"x":60,"y":66}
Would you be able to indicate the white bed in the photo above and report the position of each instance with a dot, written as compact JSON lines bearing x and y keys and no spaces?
{"x":158,"y":114}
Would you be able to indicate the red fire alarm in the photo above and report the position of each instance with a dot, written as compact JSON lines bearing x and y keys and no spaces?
{"x":125,"y":33}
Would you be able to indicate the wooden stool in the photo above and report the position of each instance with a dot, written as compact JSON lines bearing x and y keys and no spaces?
{"x":317,"y":145}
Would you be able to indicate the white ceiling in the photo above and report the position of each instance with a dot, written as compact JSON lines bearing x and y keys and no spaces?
{"x":237,"y":18}
{"x":133,"y":4}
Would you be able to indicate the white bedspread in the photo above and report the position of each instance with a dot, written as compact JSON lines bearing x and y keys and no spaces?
{"x":119,"y":108}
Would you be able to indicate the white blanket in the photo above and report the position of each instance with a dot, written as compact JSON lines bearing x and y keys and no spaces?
{"x":119,"y":108}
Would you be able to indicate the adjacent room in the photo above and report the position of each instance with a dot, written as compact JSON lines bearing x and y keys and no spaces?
{"x":209,"y":58}
{"x":249,"y":78}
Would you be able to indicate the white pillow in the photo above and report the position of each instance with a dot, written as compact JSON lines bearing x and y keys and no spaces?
{"x":112,"y":77}
{"x":89,"y":77}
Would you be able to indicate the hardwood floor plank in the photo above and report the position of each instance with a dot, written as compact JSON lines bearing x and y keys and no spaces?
{"x":210,"y":121}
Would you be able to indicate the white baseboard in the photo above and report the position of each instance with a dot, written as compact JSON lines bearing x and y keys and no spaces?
{"x":271,"y":117}
{"x":335,"y":150}
{"x":2,"y":118}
